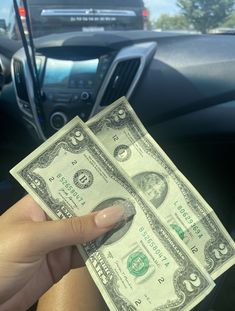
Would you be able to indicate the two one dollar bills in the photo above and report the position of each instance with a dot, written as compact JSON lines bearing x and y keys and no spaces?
{"x":164,"y":256}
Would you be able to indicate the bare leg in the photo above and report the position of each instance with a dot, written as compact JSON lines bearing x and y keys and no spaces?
{"x":76,"y":291}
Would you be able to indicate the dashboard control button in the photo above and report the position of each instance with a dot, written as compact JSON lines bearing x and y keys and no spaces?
{"x":75,"y":98}
{"x":90,"y":83}
{"x":63,"y":98}
{"x":85,"y":95}
{"x":80,"y":83}
{"x":58,"y":120}
{"x":72,"y":83}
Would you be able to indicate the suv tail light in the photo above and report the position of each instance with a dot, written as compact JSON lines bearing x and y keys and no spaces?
{"x":145,"y":13}
{"x":22,"y":12}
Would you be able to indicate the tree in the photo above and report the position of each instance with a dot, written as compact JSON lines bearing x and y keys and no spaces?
{"x":230,"y":21}
{"x":206,"y":14}
{"x":171,"y":22}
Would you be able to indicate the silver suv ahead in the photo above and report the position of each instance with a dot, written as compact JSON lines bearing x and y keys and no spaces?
{"x":85,"y":15}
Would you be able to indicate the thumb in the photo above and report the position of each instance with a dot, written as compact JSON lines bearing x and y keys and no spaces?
{"x":52,"y":235}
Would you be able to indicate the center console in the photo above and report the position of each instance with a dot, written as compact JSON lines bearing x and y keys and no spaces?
{"x":70,"y":86}
{"x":76,"y":82}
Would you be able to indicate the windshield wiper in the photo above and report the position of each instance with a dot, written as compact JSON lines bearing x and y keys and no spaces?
{"x":31,"y":59}
{"x":31,"y":43}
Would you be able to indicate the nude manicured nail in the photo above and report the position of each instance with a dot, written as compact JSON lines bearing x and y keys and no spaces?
{"x":109,"y":216}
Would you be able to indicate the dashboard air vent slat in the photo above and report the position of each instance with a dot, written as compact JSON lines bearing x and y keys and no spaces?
{"x":121,"y":80}
{"x":20,"y":82}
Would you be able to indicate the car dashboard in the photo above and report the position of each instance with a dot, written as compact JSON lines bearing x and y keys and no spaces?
{"x":74,"y":82}
{"x":167,"y":77}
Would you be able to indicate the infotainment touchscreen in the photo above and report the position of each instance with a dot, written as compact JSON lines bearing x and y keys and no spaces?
{"x":69,"y":74}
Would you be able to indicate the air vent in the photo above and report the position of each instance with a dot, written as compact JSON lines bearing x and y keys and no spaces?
{"x":20,"y":82}
{"x":121,"y":80}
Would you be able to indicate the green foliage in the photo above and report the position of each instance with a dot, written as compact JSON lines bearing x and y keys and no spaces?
{"x":230,"y":21}
{"x":171,"y":22}
{"x":206,"y":14}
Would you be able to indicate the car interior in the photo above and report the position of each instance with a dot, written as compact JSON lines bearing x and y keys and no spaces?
{"x":182,"y":87}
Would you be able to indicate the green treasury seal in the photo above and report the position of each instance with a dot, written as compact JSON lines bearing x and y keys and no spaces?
{"x":137,"y":264}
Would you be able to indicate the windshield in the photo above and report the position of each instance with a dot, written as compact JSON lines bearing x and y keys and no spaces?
{"x":56,"y":16}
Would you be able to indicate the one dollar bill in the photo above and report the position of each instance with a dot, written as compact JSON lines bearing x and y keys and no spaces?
{"x":139,"y":265}
{"x":175,"y":199}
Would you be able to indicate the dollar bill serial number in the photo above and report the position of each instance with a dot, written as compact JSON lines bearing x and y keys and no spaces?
{"x":183,"y":212}
{"x":155,"y":248}
{"x":70,"y":188}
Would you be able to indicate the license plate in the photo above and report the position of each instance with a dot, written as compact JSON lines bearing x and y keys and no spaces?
{"x":87,"y":29}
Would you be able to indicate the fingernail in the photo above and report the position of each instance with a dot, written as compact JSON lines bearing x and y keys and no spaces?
{"x":109,"y":216}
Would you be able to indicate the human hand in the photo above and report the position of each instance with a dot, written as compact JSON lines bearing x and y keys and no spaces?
{"x":36,"y":253}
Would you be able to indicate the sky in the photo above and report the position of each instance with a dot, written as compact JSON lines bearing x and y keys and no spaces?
{"x":156,"y":7}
